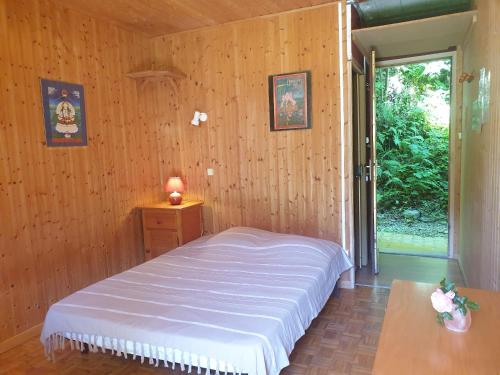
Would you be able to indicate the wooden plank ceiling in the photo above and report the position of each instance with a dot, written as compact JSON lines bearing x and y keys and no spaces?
{"x":158,"y":17}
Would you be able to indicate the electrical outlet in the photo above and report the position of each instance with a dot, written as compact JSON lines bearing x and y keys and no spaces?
{"x":210,"y":171}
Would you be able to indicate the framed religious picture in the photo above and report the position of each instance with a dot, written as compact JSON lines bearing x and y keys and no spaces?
{"x":64,"y":113}
{"x":290,"y":101}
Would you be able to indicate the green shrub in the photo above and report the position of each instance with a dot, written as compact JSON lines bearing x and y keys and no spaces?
{"x":412,"y":153}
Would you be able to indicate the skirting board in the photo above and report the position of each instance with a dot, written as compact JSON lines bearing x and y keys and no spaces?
{"x":346,"y":280}
{"x":20,"y":338}
{"x":346,"y":284}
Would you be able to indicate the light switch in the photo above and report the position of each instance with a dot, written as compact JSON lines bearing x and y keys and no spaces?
{"x":210,"y":171}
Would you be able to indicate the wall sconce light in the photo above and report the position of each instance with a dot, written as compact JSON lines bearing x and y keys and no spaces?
{"x":199,"y":116}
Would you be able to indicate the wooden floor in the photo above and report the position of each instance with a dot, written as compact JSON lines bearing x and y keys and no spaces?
{"x":341,"y":340}
{"x":408,"y":267}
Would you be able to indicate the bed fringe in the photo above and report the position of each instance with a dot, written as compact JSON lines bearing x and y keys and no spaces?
{"x":77,"y":341}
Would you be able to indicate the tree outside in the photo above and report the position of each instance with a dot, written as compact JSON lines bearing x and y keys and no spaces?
{"x":413,"y":111}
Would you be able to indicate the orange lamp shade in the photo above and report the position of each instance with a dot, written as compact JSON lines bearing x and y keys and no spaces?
{"x":175,"y":187}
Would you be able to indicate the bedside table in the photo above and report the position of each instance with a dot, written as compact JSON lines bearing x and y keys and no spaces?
{"x":166,"y":227}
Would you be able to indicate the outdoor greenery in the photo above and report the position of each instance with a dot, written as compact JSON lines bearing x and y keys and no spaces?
{"x":412,"y":149}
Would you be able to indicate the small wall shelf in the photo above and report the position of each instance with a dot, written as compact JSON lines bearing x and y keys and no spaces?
{"x":157,"y":74}
{"x":171,"y":75}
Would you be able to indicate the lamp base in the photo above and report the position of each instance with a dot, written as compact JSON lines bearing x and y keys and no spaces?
{"x":175,"y":199}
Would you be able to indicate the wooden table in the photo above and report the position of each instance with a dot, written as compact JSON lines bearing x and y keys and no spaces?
{"x":412,"y":342}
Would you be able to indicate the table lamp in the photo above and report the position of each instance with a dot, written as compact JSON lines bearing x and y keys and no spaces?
{"x":175,"y":187}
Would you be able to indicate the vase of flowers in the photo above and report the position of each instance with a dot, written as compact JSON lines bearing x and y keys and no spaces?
{"x":452,"y":309}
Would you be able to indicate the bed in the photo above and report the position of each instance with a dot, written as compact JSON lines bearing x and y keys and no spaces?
{"x":234,"y":302}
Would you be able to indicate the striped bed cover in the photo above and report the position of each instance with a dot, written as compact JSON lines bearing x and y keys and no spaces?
{"x":235,"y":302}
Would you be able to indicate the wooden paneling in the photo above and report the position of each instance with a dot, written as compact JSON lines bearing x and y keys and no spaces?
{"x":287,"y":181}
{"x":67,"y":215}
{"x":480,"y":196}
{"x":158,"y":17}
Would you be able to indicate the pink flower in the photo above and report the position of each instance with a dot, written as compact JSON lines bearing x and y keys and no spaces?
{"x":450,"y":294}
{"x":442,"y":302}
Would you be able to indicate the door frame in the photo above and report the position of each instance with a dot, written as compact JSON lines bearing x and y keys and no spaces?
{"x":454,"y":143}
{"x":358,"y":118}
{"x":372,"y":163}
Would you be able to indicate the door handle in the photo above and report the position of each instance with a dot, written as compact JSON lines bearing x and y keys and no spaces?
{"x":368,"y":173}
{"x":371,"y":170}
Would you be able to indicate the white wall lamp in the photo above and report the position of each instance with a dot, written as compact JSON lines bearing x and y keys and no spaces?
{"x":199,"y":116}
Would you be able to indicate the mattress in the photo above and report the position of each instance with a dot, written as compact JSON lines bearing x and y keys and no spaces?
{"x":233,"y":302}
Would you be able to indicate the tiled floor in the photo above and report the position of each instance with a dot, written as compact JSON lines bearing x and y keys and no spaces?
{"x":341,"y":340}
{"x":407,"y":267}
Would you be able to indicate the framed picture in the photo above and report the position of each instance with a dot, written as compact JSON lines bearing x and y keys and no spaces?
{"x":64,"y":113}
{"x":290,"y":101}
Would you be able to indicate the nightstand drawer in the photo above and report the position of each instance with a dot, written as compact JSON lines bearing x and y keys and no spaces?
{"x":160,"y":239}
{"x":160,"y":220}
{"x":158,"y":242}
{"x":166,"y":227}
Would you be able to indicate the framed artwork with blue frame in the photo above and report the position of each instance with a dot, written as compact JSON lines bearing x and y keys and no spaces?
{"x":290,"y":101}
{"x":64,"y":113}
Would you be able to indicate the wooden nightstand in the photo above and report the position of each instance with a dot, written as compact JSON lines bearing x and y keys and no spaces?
{"x":166,"y":227}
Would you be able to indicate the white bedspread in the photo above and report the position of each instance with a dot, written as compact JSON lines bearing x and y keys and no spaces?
{"x":237,"y":302}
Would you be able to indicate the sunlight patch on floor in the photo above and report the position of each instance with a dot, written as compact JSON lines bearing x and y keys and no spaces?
{"x":410,"y":244}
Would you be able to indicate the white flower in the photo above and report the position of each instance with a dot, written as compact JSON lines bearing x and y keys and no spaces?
{"x":442,"y":302}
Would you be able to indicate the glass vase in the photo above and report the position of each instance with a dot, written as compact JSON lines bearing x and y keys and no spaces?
{"x":460,"y":323}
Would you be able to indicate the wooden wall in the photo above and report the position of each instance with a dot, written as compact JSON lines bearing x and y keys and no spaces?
{"x":480,"y":196}
{"x":287,"y":181}
{"x":67,"y":215}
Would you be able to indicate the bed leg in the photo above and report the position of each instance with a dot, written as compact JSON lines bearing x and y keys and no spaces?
{"x":85,"y":349}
